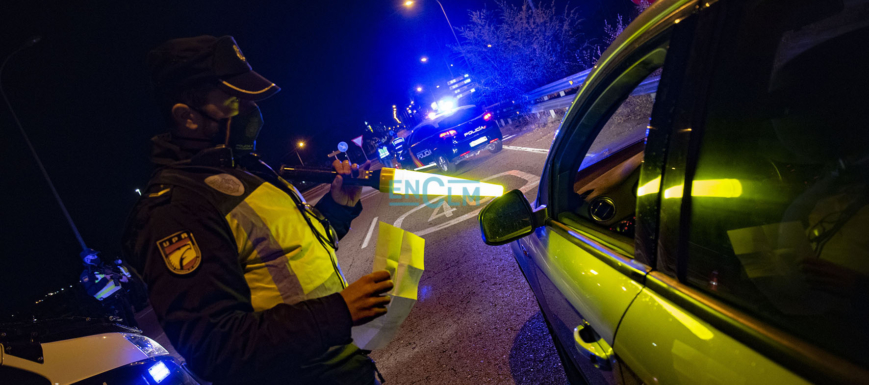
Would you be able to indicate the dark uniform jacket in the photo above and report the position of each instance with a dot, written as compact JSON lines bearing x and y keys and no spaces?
{"x":237,"y":278}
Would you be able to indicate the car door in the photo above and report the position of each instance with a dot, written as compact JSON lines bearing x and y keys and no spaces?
{"x":755,"y":223}
{"x":581,"y":264}
{"x":421,"y":145}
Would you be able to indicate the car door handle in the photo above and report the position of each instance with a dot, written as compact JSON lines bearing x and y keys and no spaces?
{"x":592,"y":346}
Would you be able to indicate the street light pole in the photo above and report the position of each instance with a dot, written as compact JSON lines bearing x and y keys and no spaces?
{"x":448,"y":23}
{"x":299,"y":145}
{"x":300,"y":157}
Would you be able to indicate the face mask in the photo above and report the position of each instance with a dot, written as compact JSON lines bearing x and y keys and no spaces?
{"x":244,"y":129}
{"x":220,"y":136}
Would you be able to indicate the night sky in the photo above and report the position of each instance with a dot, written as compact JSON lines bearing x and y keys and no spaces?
{"x":82,"y":95}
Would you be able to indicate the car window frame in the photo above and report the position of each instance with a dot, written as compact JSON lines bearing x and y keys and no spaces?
{"x":669,"y":281}
{"x":584,"y":121}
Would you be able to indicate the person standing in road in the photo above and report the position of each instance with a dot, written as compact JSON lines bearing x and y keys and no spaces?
{"x":241,"y":271}
{"x":105,"y":285}
{"x":134,"y":288}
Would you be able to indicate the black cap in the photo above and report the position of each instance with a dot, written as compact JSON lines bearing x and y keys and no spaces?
{"x":84,"y":253}
{"x":184,"y":62}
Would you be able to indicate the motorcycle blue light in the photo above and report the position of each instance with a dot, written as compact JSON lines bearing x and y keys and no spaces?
{"x":158,"y":372}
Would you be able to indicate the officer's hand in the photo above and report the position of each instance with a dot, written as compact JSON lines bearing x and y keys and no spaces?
{"x":364,"y":299}
{"x":346,"y":195}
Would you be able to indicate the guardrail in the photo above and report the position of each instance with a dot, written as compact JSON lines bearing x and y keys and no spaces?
{"x":648,"y":85}
{"x":567,"y":83}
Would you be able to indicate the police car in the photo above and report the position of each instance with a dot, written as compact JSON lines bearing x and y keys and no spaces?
{"x":84,"y":351}
{"x":702,"y":213}
{"x":450,"y":137}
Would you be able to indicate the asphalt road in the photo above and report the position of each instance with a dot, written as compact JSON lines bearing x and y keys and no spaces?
{"x":476,"y":320}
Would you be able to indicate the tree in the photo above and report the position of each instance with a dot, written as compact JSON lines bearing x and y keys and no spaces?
{"x":512,"y":49}
{"x":589,"y":52}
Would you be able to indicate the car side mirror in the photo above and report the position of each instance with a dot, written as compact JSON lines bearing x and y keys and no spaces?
{"x":509,"y":218}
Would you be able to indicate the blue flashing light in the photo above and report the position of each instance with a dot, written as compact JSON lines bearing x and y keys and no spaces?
{"x":446,"y":105}
{"x":159,"y":371}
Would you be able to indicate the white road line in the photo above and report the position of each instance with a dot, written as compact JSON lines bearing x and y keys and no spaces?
{"x":508,"y":137}
{"x":369,"y":194}
{"x":529,"y":149}
{"x":370,"y":230}
{"x":425,"y":167}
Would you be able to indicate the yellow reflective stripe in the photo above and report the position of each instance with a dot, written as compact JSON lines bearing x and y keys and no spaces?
{"x":263,"y":279}
{"x":158,"y":193}
{"x":108,"y":290}
{"x":652,"y":187}
{"x":270,"y":208}
{"x":246,"y":91}
{"x":715,"y":188}
{"x":275,"y":207}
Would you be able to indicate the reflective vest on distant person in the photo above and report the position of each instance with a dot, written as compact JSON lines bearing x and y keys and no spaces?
{"x":108,"y":289}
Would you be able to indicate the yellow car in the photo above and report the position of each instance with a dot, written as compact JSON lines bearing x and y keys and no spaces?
{"x":703,"y":214}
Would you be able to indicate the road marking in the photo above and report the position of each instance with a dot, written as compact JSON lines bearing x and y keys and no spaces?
{"x":532,"y":181}
{"x":369,"y":194}
{"x":446,"y":211}
{"x":529,"y":149}
{"x":370,"y":230}
{"x":508,"y":137}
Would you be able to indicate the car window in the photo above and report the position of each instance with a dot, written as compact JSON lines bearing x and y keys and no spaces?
{"x":459,"y":116}
{"x":779,"y":221}
{"x":606,"y":181}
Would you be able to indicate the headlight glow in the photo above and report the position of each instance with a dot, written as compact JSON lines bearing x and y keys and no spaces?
{"x":146,"y":345}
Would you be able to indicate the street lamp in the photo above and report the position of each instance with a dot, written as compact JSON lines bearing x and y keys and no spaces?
{"x":423,"y":59}
{"x":418,"y":89}
{"x":299,"y":145}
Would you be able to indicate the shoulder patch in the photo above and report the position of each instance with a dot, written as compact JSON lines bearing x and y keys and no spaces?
{"x":180,"y":252}
{"x":226,"y":184}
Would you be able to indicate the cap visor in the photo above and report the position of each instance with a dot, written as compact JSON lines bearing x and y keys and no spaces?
{"x":249,"y":85}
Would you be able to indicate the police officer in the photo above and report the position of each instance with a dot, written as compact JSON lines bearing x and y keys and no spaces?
{"x":105,"y":285}
{"x":241,"y":272}
{"x":134,"y":288}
